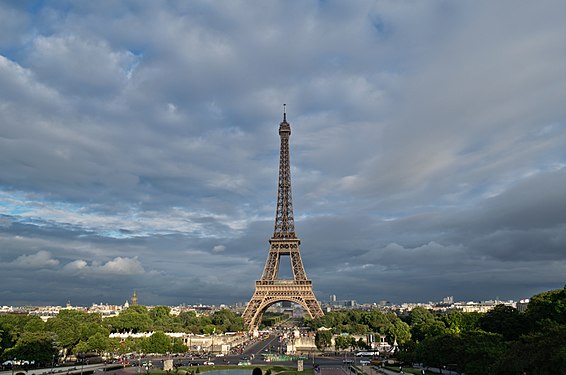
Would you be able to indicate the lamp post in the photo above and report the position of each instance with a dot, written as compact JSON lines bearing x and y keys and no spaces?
{"x":312,"y":356}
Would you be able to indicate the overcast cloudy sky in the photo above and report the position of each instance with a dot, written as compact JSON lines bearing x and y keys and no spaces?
{"x":139,"y":148}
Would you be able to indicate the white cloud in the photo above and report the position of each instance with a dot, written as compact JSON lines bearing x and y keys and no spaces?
{"x":119,"y":266}
{"x":218,"y":249}
{"x":75,"y":265}
{"x":76,"y":65}
{"x":41,"y":259}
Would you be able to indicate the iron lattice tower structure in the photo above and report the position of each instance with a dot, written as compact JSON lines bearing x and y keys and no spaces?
{"x":270,"y":289}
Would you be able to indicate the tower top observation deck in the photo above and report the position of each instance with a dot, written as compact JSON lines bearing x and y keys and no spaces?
{"x":284,"y":218}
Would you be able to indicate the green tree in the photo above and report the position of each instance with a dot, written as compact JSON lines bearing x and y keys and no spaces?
{"x":227,"y":321}
{"x":407,"y":352}
{"x":505,"y":320}
{"x":99,"y":343}
{"x":457,"y":321}
{"x":133,"y":319}
{"x":131,"y":345}
{"x":397,"y":330}
{"x":72,"y":326}
{"x":179,"y":346}
{"x":538,"y":353}
{"x":428,"y":329}
{"x":550,"y":305}
{"x":161,"y":318}
{"x":34,"y":324}
{"x":159,"y":342}
{"x":361,"y":344}
{"x":34,"y":346}
{"x":344,"y":342}
{"x":81,"y":347}
{"x":481,"y":352}
{"x":189,"y":321}
{"x":341,"y":342}
{"x":424,"y":324}
{"x":270,"y":319}
{"x":323,"y":339}
{"x":420,"y":315}
{"x":12,"y":326}
{"x":439,"y":351}
{"x":209,"y":329}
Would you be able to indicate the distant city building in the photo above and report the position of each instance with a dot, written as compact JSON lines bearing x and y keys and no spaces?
{"x":45,"y":312}
{"x":105,"y":310}
{"x":303,"y":343}
{"x":333,"y":298}
{"x":481,"y":307}
{"x":448,"y":300}
{"x":522,"y":304}
{"x":217,"y":343}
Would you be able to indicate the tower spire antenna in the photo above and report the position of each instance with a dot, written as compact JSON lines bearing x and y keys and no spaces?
{"x":284,"y":112}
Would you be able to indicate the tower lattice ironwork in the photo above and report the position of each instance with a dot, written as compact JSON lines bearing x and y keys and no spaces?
{"x":270,"y":289}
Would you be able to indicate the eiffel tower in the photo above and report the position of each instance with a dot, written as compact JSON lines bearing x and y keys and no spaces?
{"x":270,"y":289}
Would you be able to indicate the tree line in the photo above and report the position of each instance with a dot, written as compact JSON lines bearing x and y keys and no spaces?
{"x":27,"y":337}
{"x":501,"y":341}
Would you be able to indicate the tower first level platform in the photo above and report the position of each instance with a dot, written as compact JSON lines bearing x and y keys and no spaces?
{"x":270,"y":290}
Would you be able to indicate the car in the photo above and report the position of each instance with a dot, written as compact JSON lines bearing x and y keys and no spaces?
{"x":208,"y":363}
{"x":364,"y":362}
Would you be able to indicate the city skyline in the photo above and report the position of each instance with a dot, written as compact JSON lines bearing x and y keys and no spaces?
{"x":344,"y":303}
{"x":139,"y":148}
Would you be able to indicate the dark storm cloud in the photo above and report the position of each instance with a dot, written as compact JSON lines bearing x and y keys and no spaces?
{"x":139,"y":148}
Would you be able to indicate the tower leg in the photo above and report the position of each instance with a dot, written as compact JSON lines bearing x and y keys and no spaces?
{"x":267,"y":294}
